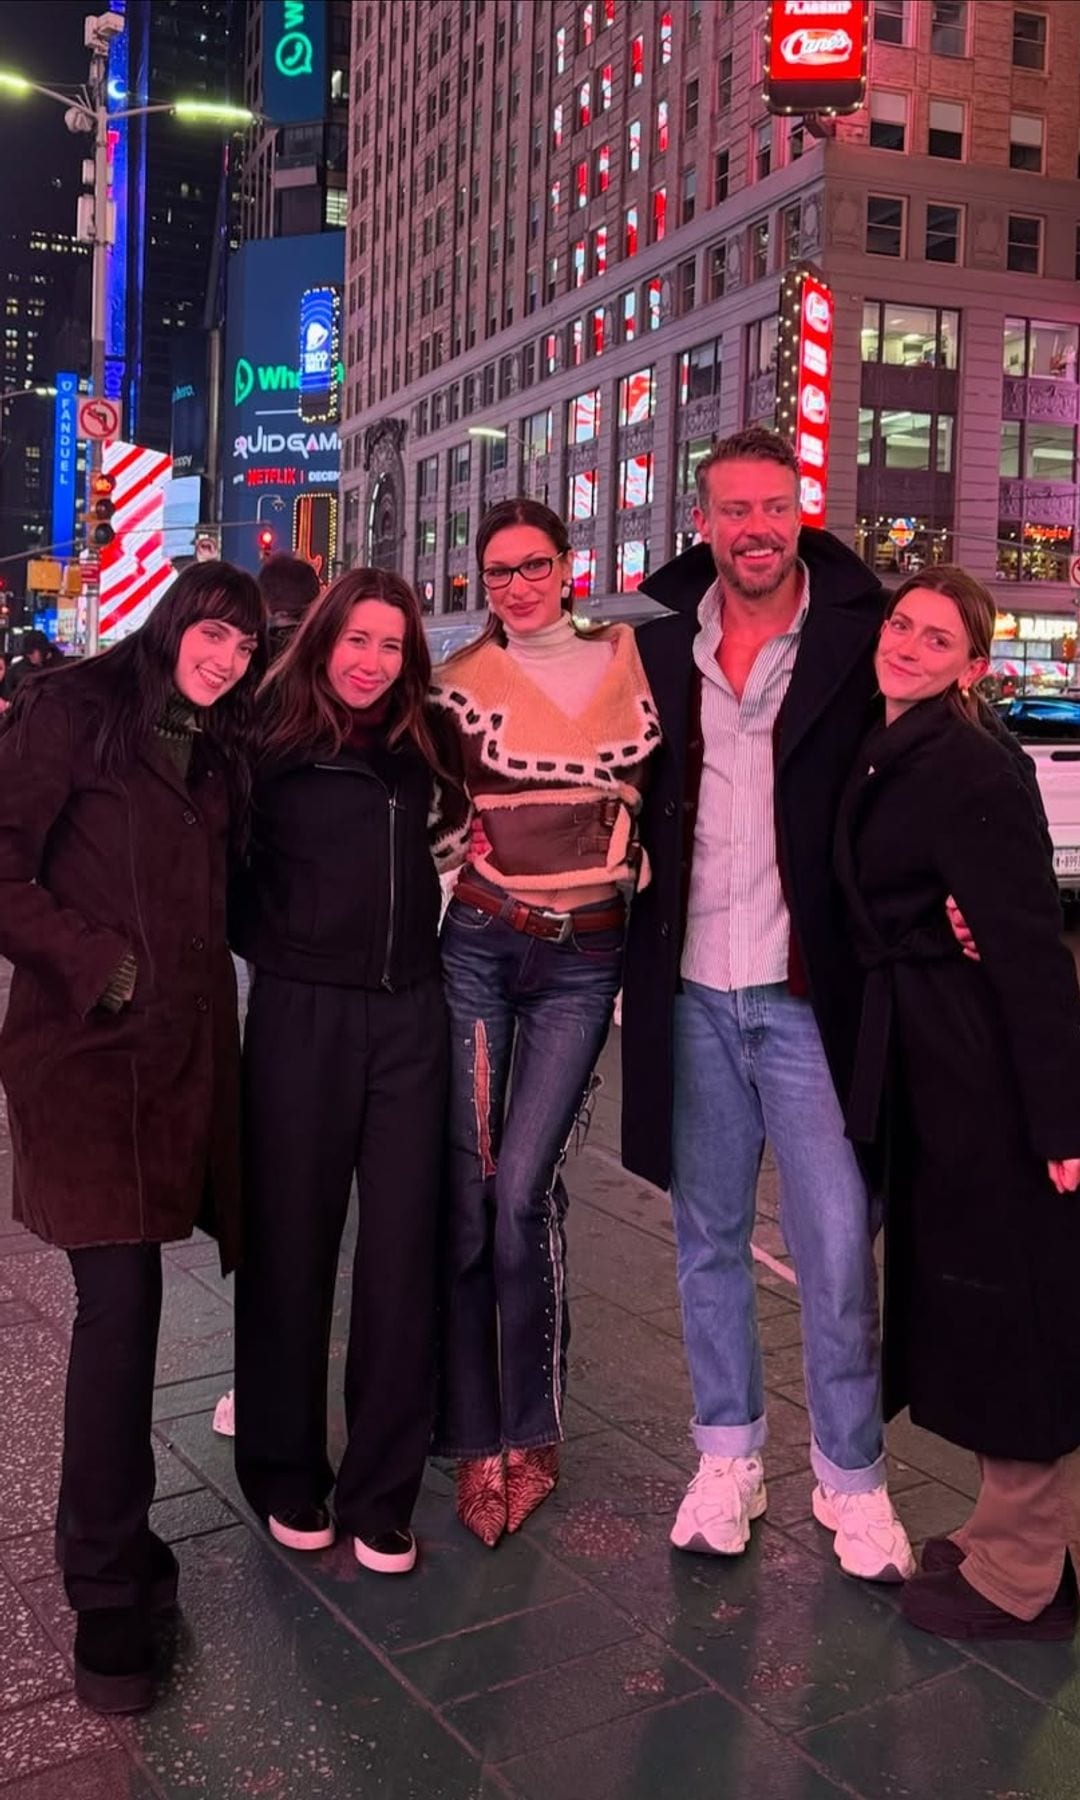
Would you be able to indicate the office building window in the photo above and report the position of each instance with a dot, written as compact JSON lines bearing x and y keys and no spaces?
{"x":910,"y":337}
{"x":607,"y":87}
{"x":427,"y":478}
{"x":691,"y":105}
{"x":536,"y":435}
{"x":637,"y":62}
{"x":884,"y":226}
{"x":762,"y":345}
{"x":717,"y":270}
{"x":1038,"y":452}
{"x":628,"y":316}
{"x":759,"y":249}
{"x":699,"y":372}
{"x":575,"y":349}
{"x":723,"y":84}
{"x":942,"y":233}
{"x":888,"y":120}
{"x":583,"y":571}
{"x":584,"y":105}
{"x":1026,"y":142}
{"x":687,"y":286}
{"x":690,"y":454}
{"x":601,"y":168}
{"x":599,"y":250}
{"x":583,"y":417}
{"x":581,"y":495}
{"x":946,"y":133}
{"x":791,"y":224}
{"x":631,"y":565}
{"x":425,"y":537}
{"x":1024,"y":248}
{"x":633,"y":145}
{"x":689,"y":194}
{"x":889,"y":21}
{"x":662,"y":127}
{"x":630,"y":231}
{"x":1040,"y":347}
{"x":905,"y":439}
{"x":636,"y":481}
{"x":949,"y":27}
{"x":651,"y":294}
{"x":560,"y":50}
{"x":762,"y":149}
{"x":637,"y":395}
{"x":1029,"y":40}
{"x":597,"y":330}
{"x":721,"y":176}
{"x":667,"y":35}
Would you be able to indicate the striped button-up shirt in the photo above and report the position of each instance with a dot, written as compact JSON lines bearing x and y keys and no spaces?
{"x":738,"y":929}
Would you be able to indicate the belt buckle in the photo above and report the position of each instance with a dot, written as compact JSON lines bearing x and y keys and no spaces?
{"x":564,"y":923}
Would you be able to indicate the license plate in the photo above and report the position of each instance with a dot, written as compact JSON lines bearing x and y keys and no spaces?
{"x":1067,"y":861}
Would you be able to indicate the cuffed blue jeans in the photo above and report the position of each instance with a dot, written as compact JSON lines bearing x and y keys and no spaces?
{"x":530,"y":1015}
{"x":749,"y":1066}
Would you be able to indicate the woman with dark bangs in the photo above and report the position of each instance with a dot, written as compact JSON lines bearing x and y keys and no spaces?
{"x":122,"y":780}
{"x":344,"y":1073}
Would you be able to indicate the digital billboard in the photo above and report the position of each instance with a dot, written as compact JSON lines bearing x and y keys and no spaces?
{"x":65,"y":463}
{"x":280,"y":468}
{"x":320,"y":353}
{"x":294,"y":60}
{"x":190,"y":418}
{"x":815,"y":56}
{"x":804,"y":401}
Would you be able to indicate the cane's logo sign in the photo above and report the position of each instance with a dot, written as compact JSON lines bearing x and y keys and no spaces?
{"x":817,"y":310}
{"x":816,"y":55}
{"x":816,"y":47}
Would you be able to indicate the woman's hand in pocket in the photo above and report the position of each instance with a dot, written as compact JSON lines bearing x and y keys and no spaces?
{"x":1065,"y":1175}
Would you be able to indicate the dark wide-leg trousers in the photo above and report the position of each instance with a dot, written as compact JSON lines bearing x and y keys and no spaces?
{"x":103,"y":1538}
{"x":339,"y":1081}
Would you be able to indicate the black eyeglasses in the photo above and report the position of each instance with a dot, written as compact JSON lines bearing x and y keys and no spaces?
{"x":500,"y":575}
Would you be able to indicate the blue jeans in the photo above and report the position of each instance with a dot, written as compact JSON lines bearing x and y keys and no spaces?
{"x":749,"y":1065}
{"x":545,"y":1009}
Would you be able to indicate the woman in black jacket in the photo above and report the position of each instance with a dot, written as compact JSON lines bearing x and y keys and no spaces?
{"x":344,"y":1072}
{"x":967,"y":1080}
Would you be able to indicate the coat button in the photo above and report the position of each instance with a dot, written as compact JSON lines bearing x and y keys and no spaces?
{"x":202,"y":1004}
{"x":670,"y":809}
{"x":665,"y":930}
{"x":189,"y":817}
{"x":198,"y":943}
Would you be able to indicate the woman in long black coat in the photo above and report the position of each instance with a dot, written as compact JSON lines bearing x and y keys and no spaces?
{"x":121,"y":780}
{"x":968,"y":1083}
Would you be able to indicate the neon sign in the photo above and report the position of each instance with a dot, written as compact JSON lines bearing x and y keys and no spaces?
{"x":804,"y":402}
{"x":320,"y":315}
{"x":815,"y":59}
{"x":65,"y":454}
{"x":294,"y":64}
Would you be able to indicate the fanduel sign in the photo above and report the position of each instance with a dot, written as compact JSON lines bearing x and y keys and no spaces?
{"x":294,"y":60}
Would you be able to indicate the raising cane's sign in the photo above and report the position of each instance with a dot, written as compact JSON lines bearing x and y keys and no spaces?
{"x":815,"y":57}
{"x":804,"y":401}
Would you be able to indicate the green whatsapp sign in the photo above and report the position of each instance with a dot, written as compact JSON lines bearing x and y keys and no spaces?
{"x":294,"y":60}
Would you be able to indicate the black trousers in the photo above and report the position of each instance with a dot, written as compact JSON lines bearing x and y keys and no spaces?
{"x":103,"y":1538}
{"x":337,"y":1081}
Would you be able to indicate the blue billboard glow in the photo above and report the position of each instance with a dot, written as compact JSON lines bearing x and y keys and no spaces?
{"x":320,"y":351}
{"x":280,"y":467}
{"x":65,"y":460}
{"x":294,"y":60}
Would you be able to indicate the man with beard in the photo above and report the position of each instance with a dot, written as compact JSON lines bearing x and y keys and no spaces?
{"x":741,"y":998}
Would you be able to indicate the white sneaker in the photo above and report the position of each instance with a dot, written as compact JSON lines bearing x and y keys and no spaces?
{"x":725,"y":1494}
{"x":869,"y":1538}
{"x":224,"y":1421}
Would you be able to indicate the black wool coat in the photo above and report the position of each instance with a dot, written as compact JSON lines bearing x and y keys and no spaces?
{"x":124,"y":1127}
{"x":826,"y":713}
{"x":968,"y":1076}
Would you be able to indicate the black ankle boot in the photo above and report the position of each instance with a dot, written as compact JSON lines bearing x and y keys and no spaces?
{"x":164,"y":1575}
{"x":114,"y":1659}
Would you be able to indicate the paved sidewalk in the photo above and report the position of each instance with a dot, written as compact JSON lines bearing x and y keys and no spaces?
{"x":583,"y":1660}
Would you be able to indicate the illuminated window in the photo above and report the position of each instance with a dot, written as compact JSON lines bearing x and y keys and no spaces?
{"x":583,"y":572}
{"x":581,"y":183}
{"x":690,"y":454}
{"x":577,"y":343}
{"x":637,"y":62}
{"x":560,"y":50}
{"x":653,"y":293}
{"x":662,"y":133}
{"x":536,"y":435}
{"x":637,"y":397}
{"x":607,"y":87}
{"x":588,"y":26}
{"x":581,"y":495}
{"x":630,"y":232}
{"x":634,"y":145}
{"x":602,"y":169}
{"x":667,"y":34}
{"x":699,"y":372}
{"x":599,"y":330}
{"x":631,"y":565}
{"x":557,"y":127}
{"x":628,"y":315}
{"x":636,"y":481}
{"x":599,"y":250}
{"x":584,"y":104}
{"x":583,"y":417}
{"x":555,"y":198}
{"x":551,"y":353}
{"x":577,"y":263}
{"x":659,"y":214}
{"x":608,"y":14}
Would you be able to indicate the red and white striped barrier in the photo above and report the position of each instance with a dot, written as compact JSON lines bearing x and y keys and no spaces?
{"x":135,"y":570}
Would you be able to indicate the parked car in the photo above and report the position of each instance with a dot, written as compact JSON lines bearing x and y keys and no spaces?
{"x":1048,"y":726}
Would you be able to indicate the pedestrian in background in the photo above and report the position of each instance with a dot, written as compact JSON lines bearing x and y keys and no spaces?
{"x":37,"y":652}
{"x":122,"y":780}
{"x":967,"y":1078}
{"x":289,"y":586}
{"x":554,"y":730}
{"x":741,"y":999}
{"x":344,"y":1073}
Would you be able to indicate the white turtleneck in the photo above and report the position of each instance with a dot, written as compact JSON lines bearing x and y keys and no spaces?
{"x":566,"y":667}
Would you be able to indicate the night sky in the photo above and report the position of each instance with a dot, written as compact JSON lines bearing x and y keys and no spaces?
{"x":39,"y":157}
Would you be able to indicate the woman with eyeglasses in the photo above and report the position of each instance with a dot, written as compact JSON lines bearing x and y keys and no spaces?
{"x":554,"y":727}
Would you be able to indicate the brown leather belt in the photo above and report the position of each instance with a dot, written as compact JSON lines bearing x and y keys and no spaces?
{"x":554,"y":927}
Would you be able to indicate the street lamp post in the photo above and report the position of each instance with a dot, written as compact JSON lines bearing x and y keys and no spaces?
{"x":88,"y":111}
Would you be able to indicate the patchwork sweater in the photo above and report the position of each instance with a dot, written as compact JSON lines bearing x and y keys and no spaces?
{"x":557,"y":797}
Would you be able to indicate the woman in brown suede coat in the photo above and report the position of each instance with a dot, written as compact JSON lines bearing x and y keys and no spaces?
{"x":121,"y":780}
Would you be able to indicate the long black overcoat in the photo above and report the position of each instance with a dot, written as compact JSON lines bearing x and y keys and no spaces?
{"x":826,"y":713}
{"x":968,"y":1074}
{"x":125,"y":1127}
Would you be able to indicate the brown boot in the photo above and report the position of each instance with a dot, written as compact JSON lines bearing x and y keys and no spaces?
{"x":531,"y":1476}
{"x":481,"y":1497}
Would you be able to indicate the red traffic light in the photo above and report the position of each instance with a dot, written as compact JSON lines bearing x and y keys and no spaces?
{"x":102,"y":485}
{"x":266,"y":542}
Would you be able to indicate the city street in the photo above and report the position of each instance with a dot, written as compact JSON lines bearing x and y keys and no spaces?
{"x":583,"y":1660}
